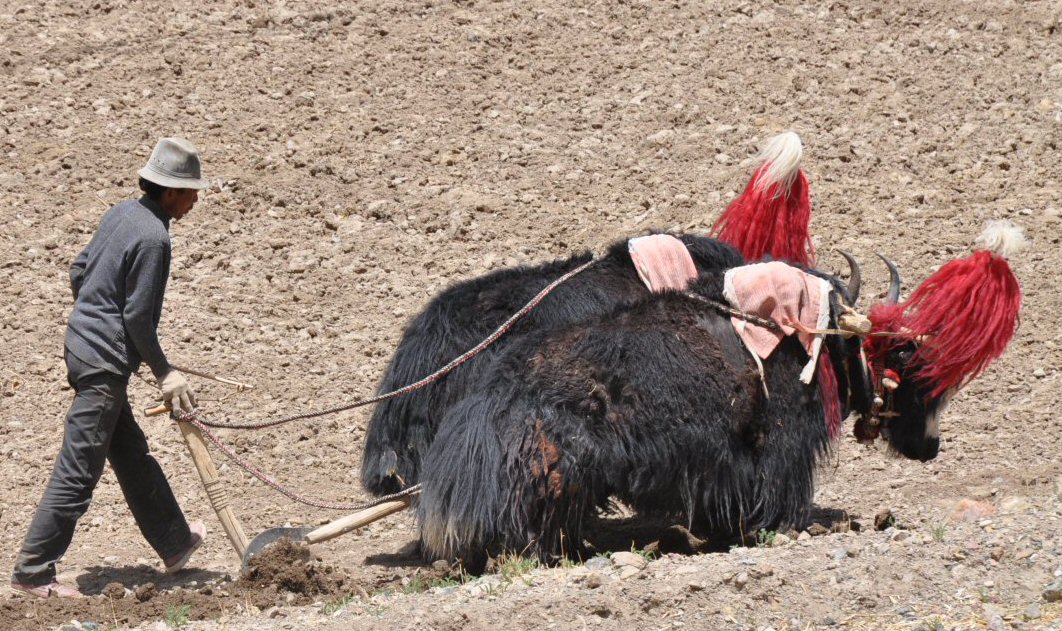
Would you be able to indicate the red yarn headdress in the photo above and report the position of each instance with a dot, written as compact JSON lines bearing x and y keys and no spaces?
{"x":771,"y":217}
{"x":965,"y":314}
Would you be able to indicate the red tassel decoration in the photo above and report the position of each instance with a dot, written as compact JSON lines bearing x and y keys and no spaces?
{"x":771,"y":217}
{"x":965,"y":314}
{"x":831,"y":403}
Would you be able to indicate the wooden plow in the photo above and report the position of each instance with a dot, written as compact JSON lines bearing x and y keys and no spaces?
{"x":219,"y":500}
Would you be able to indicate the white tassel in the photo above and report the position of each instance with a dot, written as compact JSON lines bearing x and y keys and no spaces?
{"x":1003,"y":237}
{"x":782,"y":154}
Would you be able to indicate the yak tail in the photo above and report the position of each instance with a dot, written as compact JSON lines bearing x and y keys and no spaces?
{"x":461,"y":502}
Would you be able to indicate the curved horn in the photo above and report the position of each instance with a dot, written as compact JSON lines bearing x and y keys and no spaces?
{"x":855,"y":279}
{"x":894,"y":282}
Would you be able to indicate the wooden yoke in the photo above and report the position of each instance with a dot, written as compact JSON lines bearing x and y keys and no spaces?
{"x":208,"y":473}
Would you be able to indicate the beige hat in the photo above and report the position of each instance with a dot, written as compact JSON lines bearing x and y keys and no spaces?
{"x":174,"y":163}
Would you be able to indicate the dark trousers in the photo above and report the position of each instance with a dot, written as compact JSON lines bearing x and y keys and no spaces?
{"x":99,"y":427}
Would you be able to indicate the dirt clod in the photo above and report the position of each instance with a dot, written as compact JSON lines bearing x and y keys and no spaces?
{"x":291,"y":567}
{"x":144,"y":592}
{"x":114,"y":591}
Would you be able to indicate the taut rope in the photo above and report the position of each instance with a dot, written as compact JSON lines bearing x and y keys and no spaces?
{"x":202,"y":424}
{"x":433,"y":377}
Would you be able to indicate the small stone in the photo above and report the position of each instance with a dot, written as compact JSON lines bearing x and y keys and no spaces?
{"x":741,"y":579}
{"x":629,"y":559}
{"x":838,"y":554}
{"x":628,"y":572}
{"x":780,"y":540}
{"x":1032,"y":612}
{"x":593,"y":580}
{"x":597,"y":563}
{"x":970,"y":510}
{"x":900,"y":535}
{"x":1053,"y":592}
{"x":997,"y":553}
{"x":442,"y":565}
{"x":804,"y":536}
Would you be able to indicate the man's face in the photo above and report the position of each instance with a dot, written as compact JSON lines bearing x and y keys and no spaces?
{"x":176,"y":202}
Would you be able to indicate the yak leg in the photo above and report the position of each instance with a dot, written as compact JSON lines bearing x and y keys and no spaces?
{"x":494,"y":481}
{"x":462,"y":502}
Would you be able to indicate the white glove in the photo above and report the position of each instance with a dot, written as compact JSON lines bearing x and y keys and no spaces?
{"x":175,"y":390}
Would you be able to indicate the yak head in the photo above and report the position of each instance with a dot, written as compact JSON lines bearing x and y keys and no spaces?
{"x":925,"y":349}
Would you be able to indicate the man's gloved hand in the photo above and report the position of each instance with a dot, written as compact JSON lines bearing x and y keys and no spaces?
{"x":175,"y":391}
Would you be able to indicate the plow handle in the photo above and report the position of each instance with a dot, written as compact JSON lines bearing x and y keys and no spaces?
{"x":219,"y":499}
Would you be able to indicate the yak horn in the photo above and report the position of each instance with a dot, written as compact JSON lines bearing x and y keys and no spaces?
{"x":855,"y":279}
{"x":893,"y":296}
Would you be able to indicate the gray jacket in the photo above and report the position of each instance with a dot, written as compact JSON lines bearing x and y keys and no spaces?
{"x":119,"y":281}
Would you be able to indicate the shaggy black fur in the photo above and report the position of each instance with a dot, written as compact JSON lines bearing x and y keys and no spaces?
{"x":657,"y":404}
{"x":401,"y":430}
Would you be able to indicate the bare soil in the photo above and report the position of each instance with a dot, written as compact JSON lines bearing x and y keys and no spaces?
{"x":367,"y":154}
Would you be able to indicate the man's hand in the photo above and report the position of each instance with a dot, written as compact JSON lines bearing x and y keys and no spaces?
{"x":175,"y":390}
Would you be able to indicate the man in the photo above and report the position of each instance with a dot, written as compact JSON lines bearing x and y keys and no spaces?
{"x":118,"y":283}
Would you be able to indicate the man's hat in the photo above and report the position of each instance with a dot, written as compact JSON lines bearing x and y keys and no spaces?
{"x":174,"y":163}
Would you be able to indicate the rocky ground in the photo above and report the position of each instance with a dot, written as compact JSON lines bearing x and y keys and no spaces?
{"x":367,"y":154}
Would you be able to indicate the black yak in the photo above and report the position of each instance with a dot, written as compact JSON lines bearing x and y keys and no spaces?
{"x":658,"y":404}
{"x":401,"y":430}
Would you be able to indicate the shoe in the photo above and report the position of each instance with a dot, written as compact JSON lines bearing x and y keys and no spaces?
{"x":178,"y":561}
{"x":54,"y":588}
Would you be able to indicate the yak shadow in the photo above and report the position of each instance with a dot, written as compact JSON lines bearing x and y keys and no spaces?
{"x":94,"y":579}
{"x":622,"y":531}
{"x":671,"y":534}
{"x":408,"y":556}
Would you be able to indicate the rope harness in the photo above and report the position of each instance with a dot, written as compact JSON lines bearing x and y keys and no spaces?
{"x":203,"y":424}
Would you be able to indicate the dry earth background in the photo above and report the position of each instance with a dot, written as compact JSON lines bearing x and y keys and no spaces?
{"x":368,"y":154}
